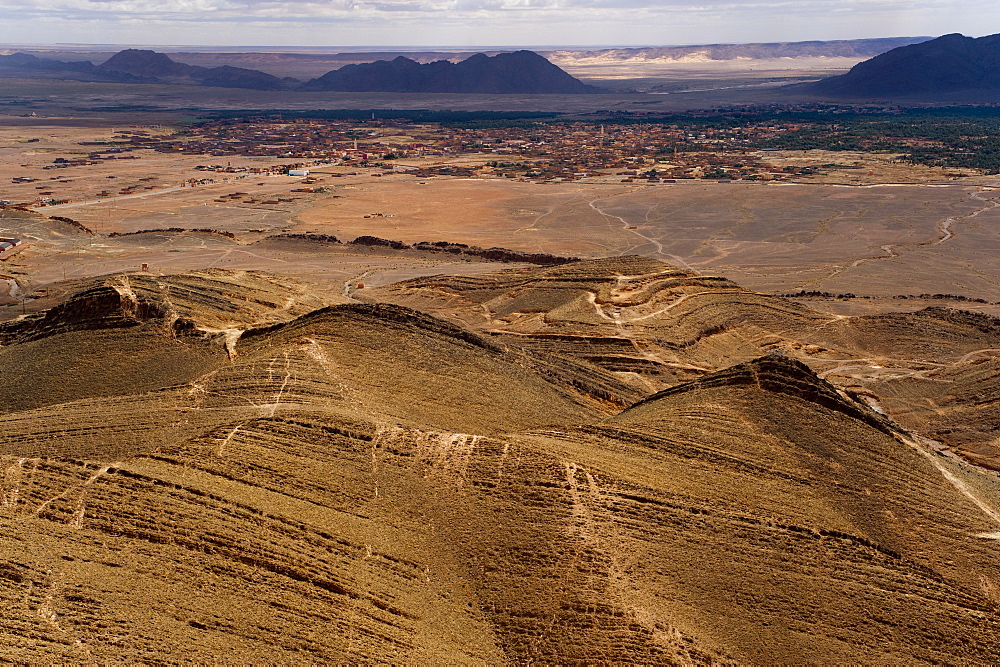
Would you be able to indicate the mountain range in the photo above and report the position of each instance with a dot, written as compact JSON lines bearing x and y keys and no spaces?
{"x":140,"y":66}
{"x":949,"y":67}
{"x":519,"y":72}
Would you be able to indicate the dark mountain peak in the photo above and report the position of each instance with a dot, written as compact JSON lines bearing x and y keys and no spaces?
{"x":153,"y":67}
{"x":523,"y":55}
{"x":937,"y":69}
{"x":20,"y":58}
{"x":227,"y":76}
{"x":25,"y":64}
{"x":144,"y":63}
{"x":523,"y":72}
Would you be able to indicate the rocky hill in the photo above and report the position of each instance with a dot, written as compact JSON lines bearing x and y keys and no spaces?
{"x":152,"y":67}
{"x":140,"y":66}
{"x":938,"y":69}
{"x":518,"y":72}
{"x":667,"y":324}
{"x":602,"y":461}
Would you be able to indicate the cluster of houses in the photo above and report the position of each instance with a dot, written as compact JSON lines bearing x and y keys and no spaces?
{"x":8,"y":244}
{"x":644,"y":152}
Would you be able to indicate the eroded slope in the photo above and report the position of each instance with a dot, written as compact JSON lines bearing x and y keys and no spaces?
{"x":665,"y":325}
{"x":755,"y":515}
{"x":958,"y":405}
{"x":368,"y":483}
{"x":130,"y":333}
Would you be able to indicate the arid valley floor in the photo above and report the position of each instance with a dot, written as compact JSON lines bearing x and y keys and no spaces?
{"x":682,"y":422}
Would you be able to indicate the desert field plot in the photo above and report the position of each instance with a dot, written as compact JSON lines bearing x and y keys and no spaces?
{"x":122,"y":191}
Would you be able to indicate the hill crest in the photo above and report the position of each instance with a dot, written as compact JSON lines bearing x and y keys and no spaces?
{"x":160,"y":68}
{"x":779,"y":374}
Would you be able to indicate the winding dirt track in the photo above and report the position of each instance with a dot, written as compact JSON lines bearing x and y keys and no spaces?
{"x":945,"y":232}
{"x":648,"y":239}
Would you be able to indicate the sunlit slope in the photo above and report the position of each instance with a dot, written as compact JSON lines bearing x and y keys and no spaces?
{"x":930,"y":335}
{"x":368,"y":483}
{"x":755,"y":515}
{"x":401,"y":364}
{"x":958,"y":405}
{"x":130,"y":333}
{"x":357,"y":361}
{"x":760,"y":508}
{"x":628,"y":314}
{"x":235,"y":512}
{"x":267,"y":542}
{"x":665,"y":324}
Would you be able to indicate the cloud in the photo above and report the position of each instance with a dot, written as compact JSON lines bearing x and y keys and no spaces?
{"x":483,"y":21}
{"x":202,"y":10}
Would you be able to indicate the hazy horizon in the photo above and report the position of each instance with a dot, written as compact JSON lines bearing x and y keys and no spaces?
{"x":362,"y":48}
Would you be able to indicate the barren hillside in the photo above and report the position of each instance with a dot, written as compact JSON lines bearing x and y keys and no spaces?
{"x":605,"y":461}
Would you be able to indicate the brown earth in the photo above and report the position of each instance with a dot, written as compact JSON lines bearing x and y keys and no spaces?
{"x":915,"y":231}
{"x":326,"y":480}
{"x":879,"y":241}
{"x":285,"y":448}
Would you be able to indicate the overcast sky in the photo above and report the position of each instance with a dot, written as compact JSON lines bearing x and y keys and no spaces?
{"x":481,"y":23}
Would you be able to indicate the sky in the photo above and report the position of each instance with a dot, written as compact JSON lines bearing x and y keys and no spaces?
{"x":482,"y":23}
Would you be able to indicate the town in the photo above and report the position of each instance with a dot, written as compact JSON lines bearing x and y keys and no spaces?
{"x":812,"y":143}
{"x":528,"y":151}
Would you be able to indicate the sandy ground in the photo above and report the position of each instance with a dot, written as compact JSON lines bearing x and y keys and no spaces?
{"x":880,"y":241}
{"x":933,"y":235}
{"x":870,"y":240}
{"x":26,"y":151}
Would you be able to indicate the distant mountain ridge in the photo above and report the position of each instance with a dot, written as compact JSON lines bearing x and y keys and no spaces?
{"x":25,"y":65}
{"x":847,"y":48}
{"x":140,"y":66}
{"x":518,"y":72}
{"x":858,"y":49}
{"x":942,"y":67}
{"x":159,"y":68}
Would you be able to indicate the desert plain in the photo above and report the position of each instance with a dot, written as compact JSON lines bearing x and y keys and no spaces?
{"x":884,"y":231}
